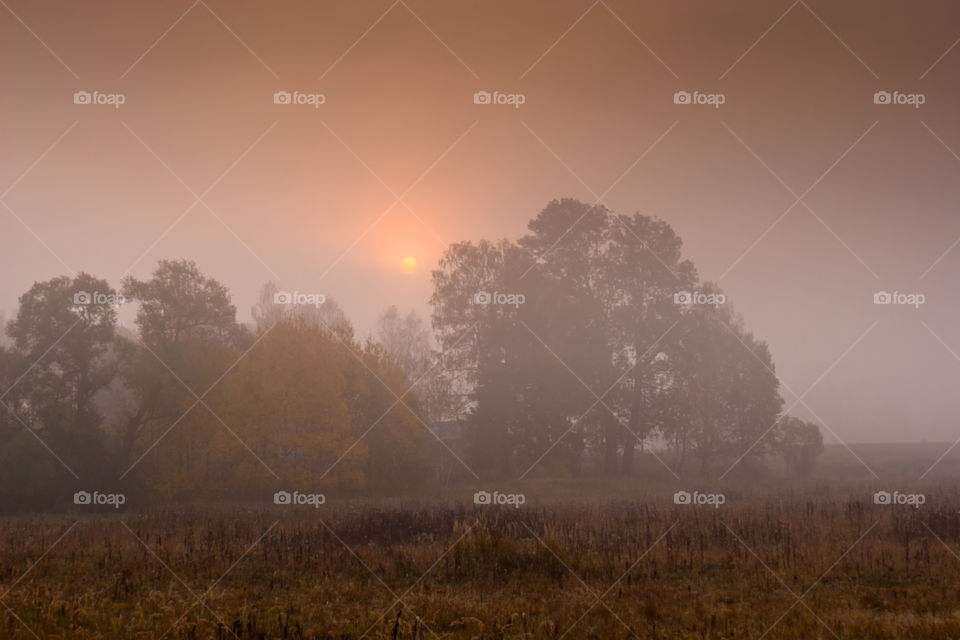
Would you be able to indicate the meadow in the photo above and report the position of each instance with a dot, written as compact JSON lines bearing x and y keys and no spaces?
{"x":807,"y":562}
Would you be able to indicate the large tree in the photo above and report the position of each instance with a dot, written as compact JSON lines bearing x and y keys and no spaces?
{"x":62,"y":354}
{"x":603,"y":354}
{"x":188,"y":337}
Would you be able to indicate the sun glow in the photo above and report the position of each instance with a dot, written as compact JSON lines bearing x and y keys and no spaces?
{"x":408,"y":264}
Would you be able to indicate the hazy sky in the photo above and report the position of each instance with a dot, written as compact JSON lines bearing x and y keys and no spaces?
{"x":309,"y":196}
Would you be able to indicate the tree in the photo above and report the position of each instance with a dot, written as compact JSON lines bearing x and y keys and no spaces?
{"x":465,"y":334}
{"x":289,"y":409}
{"x":725,"y":391}
{"x":617,"y":276}
{"x":647,"y":270}
{"x":179,"y":302}
{"x":600,"y":356}
{"x":391,"y":432}
{"x":273,"y":306}
{"x":570,"y":244}
{"x":188,"y":337}
{"x":64,"y":329}
{"x":406,"y":342}
{"x":318,"y":412}
{"x":799,"y":442}
{"x":62,"y":354}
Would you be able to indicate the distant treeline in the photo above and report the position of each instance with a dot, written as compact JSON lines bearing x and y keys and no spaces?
{"x":559,"y":354}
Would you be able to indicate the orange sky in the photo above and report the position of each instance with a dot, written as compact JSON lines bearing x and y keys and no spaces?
{"x":303,"y":195}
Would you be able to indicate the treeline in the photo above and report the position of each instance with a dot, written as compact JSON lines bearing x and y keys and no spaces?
{"x":194,"y":405}
{"x":591,"y":336}
{"x":565,"y":352}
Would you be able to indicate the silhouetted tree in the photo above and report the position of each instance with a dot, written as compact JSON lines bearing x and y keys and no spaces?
{"x":62,"y":354}
{"x":188,"y":337}
{"x":607,"y":349}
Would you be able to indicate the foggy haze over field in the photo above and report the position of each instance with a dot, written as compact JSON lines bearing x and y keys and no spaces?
{"x":477,"y":319}
{"x":200,"y":163}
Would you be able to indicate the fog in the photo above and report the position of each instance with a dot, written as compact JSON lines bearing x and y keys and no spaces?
{"x":475,"y":319}
{"x":200,"y":163}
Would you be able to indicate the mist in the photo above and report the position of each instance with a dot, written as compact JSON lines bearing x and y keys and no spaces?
{"x":408,"y":272}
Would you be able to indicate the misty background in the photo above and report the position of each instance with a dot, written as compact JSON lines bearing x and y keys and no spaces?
{"x":308,"y":197}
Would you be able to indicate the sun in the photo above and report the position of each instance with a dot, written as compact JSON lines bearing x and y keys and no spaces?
{"x":408,"y":264}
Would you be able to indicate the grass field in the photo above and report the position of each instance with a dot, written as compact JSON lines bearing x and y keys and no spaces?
{"x":807,"y":563}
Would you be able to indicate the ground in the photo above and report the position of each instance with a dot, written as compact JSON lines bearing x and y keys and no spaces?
{"x":784,"y":562}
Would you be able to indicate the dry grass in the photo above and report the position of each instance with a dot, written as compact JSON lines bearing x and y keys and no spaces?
{"x":464,"y":572}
